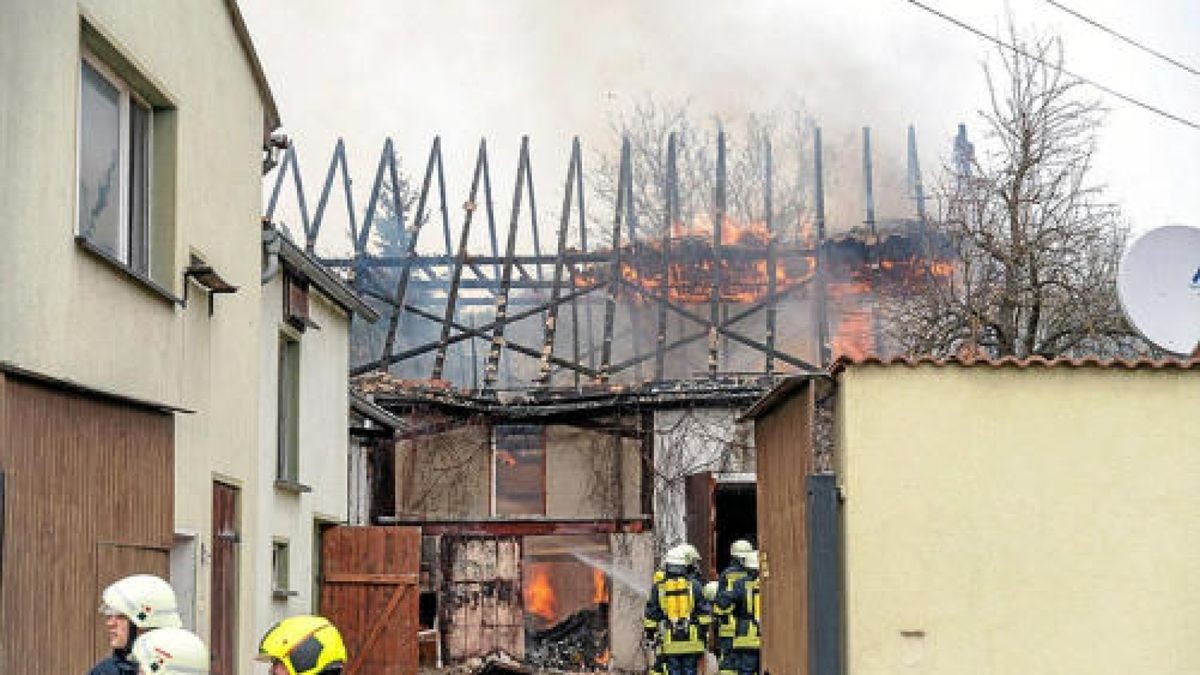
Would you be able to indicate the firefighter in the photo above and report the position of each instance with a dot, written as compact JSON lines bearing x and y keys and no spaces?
{"x":303,"y":645}
{"x":132,"y":606}
{"x":170,"y":651}
{"x":677,"y":616}
{"x":742,"y":602}
{"x":736,"y":570}
{"x":693,"y":561}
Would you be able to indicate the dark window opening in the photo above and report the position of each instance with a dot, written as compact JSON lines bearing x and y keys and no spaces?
{"x":519,"y":452}
{"x":736,"y":518}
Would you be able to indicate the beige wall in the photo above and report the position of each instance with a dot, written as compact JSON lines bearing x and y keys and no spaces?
{"x":322,"y":456}
{"x":67,"y":314}
{"x":1020,"y":521}
{"x":587,"y":478}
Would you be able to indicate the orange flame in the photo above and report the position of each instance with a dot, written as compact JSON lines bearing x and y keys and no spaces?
{"x":506,"y":458}
{"x":602,"y":660}
{"x":600,"y":587}
{"x":539,"y":595}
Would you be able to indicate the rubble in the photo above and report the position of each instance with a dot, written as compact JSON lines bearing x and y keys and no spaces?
{"x":578,"y":643}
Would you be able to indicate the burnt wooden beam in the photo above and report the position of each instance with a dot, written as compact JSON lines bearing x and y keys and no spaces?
{"x":406,"y":268}
{"x":526,"y":527}
{"x":339,"y":159}
{"x":614,"y":274}
{"x":479,"y":332}
{"x":550,"y":326}
{"x":820,"y":306}
{"x":670,"y":213}
{"x":772,"y":263}
{"x":718,"y":222}
{"x":290,"y":160}
{"x":439,"y":359}
{"x":716,"y":329}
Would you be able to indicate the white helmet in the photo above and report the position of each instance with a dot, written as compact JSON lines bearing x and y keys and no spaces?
{"x":690,"y":552}
{"x":751,"y":561}
{"x":710,"y":591}
{"x":676,"y":556}
{"x":148,"y":602}
{"x":739,"y":549}
{"x":170,"y":651}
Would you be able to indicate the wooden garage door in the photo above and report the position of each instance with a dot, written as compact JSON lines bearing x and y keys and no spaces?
{"x":369,"y":591}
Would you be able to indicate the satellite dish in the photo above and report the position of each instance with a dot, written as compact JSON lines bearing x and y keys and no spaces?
{"x":1158,"y":283}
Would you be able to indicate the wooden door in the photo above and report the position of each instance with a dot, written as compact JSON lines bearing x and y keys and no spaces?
{"x":701,"y":518}
{"x":369,"y":591}
{"x":117,"y":561}
{"x":481,"y":608}
{"x":223,"y":592}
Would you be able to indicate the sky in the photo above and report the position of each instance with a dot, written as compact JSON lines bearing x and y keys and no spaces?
{"x":366,"y":70}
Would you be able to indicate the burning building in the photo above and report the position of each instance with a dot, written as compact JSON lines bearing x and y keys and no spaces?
{"x":563,"y":416}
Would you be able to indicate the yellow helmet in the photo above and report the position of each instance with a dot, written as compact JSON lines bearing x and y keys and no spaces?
{"x":305,"y":645}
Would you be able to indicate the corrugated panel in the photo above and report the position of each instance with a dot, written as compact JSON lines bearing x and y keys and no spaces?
{"x":77,"y":472}
{"x":369,"y":591}
{"x":783,"y":440}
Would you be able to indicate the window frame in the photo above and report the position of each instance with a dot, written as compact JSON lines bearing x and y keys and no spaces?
{"x":287,"y":413}
{"x":281,"y":569}
{"x":128,"y":97}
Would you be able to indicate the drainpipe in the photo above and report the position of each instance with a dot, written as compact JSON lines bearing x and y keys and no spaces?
{"x":271,"y":243}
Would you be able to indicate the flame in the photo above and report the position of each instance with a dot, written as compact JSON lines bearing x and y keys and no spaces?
{"x":539,"y":594}
{"x":600,"y":587}
{"x":603,"y":659}
{"x":506,"y":458}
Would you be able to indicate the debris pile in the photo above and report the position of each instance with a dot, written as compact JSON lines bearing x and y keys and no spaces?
{"x":578,"y":643}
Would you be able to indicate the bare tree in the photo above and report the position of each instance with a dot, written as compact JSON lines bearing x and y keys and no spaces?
{"x":1035,"y":248}
{"x":648,"y":126}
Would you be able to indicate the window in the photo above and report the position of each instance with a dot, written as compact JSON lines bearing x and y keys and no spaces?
{"x":280,"y":582}
{"x":519,"y":452}
{"x":288,"y":451}
{"x":115,"y":137}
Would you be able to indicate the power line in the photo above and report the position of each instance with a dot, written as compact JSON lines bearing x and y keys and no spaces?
{"x":1017,"y":50}
{"x":1127,"y":40}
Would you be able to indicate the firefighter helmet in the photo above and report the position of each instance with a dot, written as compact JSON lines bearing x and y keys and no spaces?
{"x":676,"y":557}
{"x":751,"y":561}
{"x":148,"y":602}
{"x":693,"y":556}
{"x":305,"y":645}
{"x":739,"y":549}
{"x":170,"y":651}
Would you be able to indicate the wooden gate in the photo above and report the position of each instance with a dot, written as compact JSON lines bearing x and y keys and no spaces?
{"x":481,"y":608}
{"x":369,"y":591}
{"x":223,"y":593}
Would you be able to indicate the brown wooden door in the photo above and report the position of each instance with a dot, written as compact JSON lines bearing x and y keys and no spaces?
{"x":369,"y":591}
{"x":223,"y":593}
{"x":117,"y":561}
{"x":700,"y":520}
{"x":481,"y":608}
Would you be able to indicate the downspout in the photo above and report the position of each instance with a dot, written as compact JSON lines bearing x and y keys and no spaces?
{"x":271,"y":244}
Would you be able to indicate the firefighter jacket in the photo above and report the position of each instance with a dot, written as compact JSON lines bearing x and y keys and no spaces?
{"x":741,"y":602}
{"x":724,"y":618}
{"x":677,"y":611}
